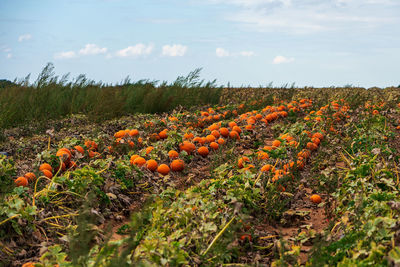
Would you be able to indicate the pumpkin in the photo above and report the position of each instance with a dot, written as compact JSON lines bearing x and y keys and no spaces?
{"x":177,"y":165}
{"x":30,"y":176}
{"x":63,"y":155}
{"x":187,"y":146}
{"x":237,"y":129}
{"x":133,"y":157}
{"x":172,"y":154}
{"x":47,"y":173}
{"x":267,"y":168}
{"x":210,"y":138}
{"x":91,"y":145}
{"x":152,"y":165}
{"x":149,"y":149}
{"x":92,"y":154}
{"x":203,"y":151}
{"x":72,"y":164}
{"x":276,"y":143}
{"x":316,"y":140}
{"x":268,"y":148}
{"x":242,"y":160}
{"x":45,"y":166}
{"x":234,"y":135}
{"x":133,"y":132}
{"x":262,"y":155}
{"x":21,"y":181}
{"x":139,"y":161}
{"x":66,"y":150}
{"x":232,"y":124}
{"x":318,"y":135}
{"x":245,"y":237}
{"x":79,"y":149}
{"x":213,"y":127}
{"x":163,"y":169}
{"x":120,"y":134}
{"x":61,"y":167}
{"x":224,"y":132}
{"x":215,"y":133}
{"x":315,"y":199}
{"x":163,"y":134}
{"x":214,"y":145}
{"x":188,"y":136}
{"x":311,"y":146}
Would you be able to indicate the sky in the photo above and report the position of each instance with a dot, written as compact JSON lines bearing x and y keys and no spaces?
{"x":243,"y":42}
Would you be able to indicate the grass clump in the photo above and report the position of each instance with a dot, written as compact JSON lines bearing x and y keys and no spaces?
{"x":54,"y":97}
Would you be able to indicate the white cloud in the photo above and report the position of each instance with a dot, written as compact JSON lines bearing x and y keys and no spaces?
{"x":282,"y":59}
{"x":220,"y":52}
{"x":175,"y":50}
{"x":312,"y":16}
{"x":65,"y":55}
{"x":136,"y":50}
{"x":92,"y":49}
{"x":24,"y":37}
{"x":247,"y":53}
{"x":9,"y":55}
{"x":254,"y":3}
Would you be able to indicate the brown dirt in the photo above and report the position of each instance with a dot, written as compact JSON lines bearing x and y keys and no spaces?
{"x":302,"y":216}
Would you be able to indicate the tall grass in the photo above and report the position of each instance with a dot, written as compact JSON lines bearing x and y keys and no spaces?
{"x":53,"y":97}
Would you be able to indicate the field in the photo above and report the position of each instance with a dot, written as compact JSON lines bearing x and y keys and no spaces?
{"x":226,"y":177}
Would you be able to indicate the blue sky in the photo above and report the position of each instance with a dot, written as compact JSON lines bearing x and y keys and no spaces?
{"x":244,"y":42}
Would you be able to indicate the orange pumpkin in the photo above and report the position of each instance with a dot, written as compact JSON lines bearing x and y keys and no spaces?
{"x":187,"y":146}
{"x":47,"y":173}
{"x":120,"y":134}
{"x":21,"y":181}
{"x":210,"y":138}
{"x":232,"y":124}
{"x":214,"y":145}
{"x":79,"y":149}
{"x":139,"y":161}
{"x":172,"y":154}
{"x":133,"y":132}
{"x":30,"y":176}
{"x":188,"y":136}
{"x":242,"y":160}
{"x":276,"y":143}
{"x":163,"y":134}
{"x":203,"y":151}
{"x":149,"y":149}
{"x":318,"y":135}
{"x":152,"y":165}
{"x":72,"y":165}
{"x":45,"y":166}
{"x":315,"y":199}
{"x":177,"y":165}
{"x":311,"y":146}
{"x":266,"y":168}
{"x":163,"y":169}
{"x":215,"y":133}
{"x":224,"y":132}
{"x":234,"y":135}
{"x":316,"y":140}
{"x":237,"y":129}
